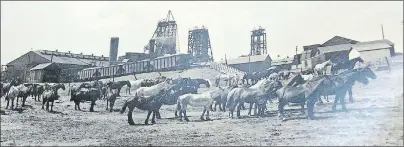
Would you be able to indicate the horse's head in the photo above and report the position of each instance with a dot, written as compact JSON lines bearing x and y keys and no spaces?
{"x":62,"y":86}
{"x":368,"y":72}
{"x":127,"y":83}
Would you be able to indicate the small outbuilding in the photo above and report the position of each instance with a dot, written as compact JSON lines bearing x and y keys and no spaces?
{"x":46,"y":72}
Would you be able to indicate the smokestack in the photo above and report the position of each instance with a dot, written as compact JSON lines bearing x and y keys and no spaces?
{"x":113,"y":50}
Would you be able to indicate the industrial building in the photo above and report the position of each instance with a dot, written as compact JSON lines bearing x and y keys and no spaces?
{"x":68,"y":63}
{"x":250,"y":63}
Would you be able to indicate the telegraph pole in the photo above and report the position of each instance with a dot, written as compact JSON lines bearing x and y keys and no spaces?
{"x":382,"y":31}
{"x":296,"y":50}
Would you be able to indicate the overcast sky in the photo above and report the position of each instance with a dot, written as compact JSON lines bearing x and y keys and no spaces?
{"x":88,"y":26}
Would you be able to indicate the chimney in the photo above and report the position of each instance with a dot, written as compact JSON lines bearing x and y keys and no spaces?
{"x":56,"y":50}
{"x":81,"y":53}
{"x":69,"y":52}
{"x":102,"y":55}
{"x":113,"y":49}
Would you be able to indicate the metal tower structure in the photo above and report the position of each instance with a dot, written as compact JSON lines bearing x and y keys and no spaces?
{"x":258,"y":41}
{"x":165,"y":38}
{"x":199,"y":45}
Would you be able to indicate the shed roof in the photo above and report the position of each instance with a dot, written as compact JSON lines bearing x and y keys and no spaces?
{"x":335,"y":48}
{"x":377,"y":41}
{"x":367,"y":47}
{"x":241,"y":60}
{"x":44,"y":66}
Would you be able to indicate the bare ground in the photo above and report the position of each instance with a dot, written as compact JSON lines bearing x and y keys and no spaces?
{"x":376,"y":118}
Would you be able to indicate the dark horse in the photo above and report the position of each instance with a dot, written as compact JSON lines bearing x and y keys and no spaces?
{"x":345,"y":82}
{"x":150,"y":104}
{"x":85,"y":94}
{"x":350,"y":64}
{"x":118,"y":85}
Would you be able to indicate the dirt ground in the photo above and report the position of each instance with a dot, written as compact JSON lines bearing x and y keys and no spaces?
{"x":376,"y":118}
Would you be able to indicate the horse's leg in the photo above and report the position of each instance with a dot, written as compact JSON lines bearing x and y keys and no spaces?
{"x":107,"y":104}
{"x":130,"y":119}
{"x":92,"y":106}
{"x":350,"y":95}
{"x":238,"y":110}
{"x":341,"y":96}
{"x":23,"y":100}
{"x":185,"y":115}
{"x":310,"y":106}
{"x":47,"y":104}
{"x":119,"y":91}
{"x":203,"y":113}
{"x":249,"y":109}
{"x":12,"y":104}
{"x":43,"y":103}
{"x":8,"y":101}
{"x":147,"y":118}
{"x":207,"y":115}
{"x":211,"y":107}
{"x":111,"y":105}
{"x":334,"y":105}
{"x":78,"y":105}
{"x":52,"y":105}
{"x":16,"y":104}
{"x":281,"y":105}
{"x":153,"y":120}
{"x":255,"y":109}
{"x":302,"y":107}
{"x":216,"y":103}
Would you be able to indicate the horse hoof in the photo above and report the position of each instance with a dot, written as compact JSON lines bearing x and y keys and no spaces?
{"x":132,"y":123}
{"x":153,"y":122}
{"x":208,"y":119}
{"x":146,"y":123}
{"x":202,"y":118}
{"x":187,"y":120}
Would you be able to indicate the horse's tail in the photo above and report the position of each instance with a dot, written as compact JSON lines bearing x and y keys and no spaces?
{"x":124,"y":107}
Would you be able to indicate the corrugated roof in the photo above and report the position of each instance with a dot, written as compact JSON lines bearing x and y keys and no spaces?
{"x":241,"y":60}
{"x":377,"y":41}
{"x":366,"y":47}
{"x":282,"y":61}
{"x":41,"y":66}
{"x":335,"y":48}
{"x":61,"y":59}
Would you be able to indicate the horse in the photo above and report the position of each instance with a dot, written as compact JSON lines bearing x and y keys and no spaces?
{"x":139,"y":101}
{"x":238,"y":96}
{"x":204,"y":100}
{"x":153,"y":90}
{"x":205,"y":82}
{"x":223,"y":98}
{"x":118,"y":85}
{"x":24,"y":93}
{"x":320,"y":69}
{"x":134,"y":85}
{"x":85,"y":94}
{"x":12,"y":94}
{"x":38,"y":90}
{"x":51,"y":94}
{"x":229,"y":78}
{"x":111,"y":98}
{"x":350,"y":64}
{"x":6,"y":87}
{"x":345,"y":82}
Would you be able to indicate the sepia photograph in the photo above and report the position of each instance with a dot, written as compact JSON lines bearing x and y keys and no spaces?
{"x":201,"y":73}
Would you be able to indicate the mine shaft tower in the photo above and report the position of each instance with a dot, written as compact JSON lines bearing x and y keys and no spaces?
{"x":165,"y":38}
{"x":258,"y":42}
{"x":199,"y":45}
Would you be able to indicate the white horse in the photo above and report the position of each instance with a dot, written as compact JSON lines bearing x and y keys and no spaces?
{"x":229,"y":78}
{"x":252,"y":95}
{"x":134,"y":85}
{"x":147,"y":92}
{"x":320,"y":69}
{"x":13,"y":93}
{"x":204,"y":100}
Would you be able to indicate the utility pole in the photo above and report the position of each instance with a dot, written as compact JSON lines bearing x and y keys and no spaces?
{"x":382,"y":31}
{"x":296,"y":50}
{"x":249,"y":63}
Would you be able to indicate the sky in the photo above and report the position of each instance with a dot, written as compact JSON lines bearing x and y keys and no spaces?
{"x":87,"y":27}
